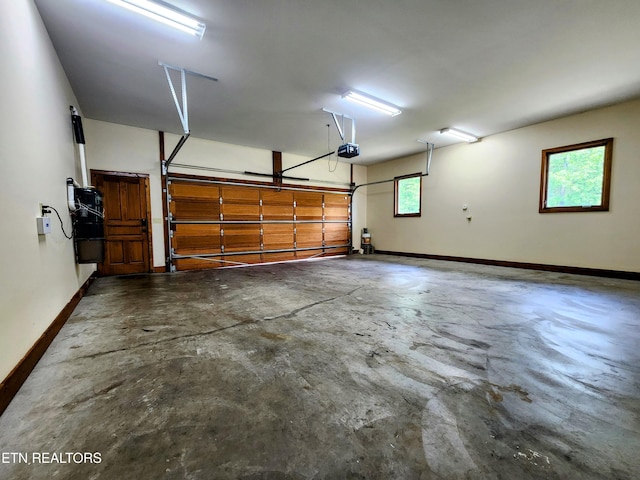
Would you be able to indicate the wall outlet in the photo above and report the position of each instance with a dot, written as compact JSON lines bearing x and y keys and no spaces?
{"x":44,"y":225}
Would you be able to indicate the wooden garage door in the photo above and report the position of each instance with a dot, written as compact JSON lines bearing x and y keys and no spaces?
{"x":216,"y":224}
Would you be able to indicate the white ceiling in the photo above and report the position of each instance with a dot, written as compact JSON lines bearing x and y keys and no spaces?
{"x":484,"y":66}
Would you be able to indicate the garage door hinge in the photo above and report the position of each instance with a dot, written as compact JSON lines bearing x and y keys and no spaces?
{"x":261,"y":217}
{"x":222,"y":248}
{"x":295,"y":217}
{"x":295,"y":203}
{"x":168,"y":196}
{"x":222,"y":232}
{"x":261,"y":231}
{"x":260,"y":202}
{"x":170,"y":233}
{"x":220,"y":200}
{"x":295,"y":230}
{"x":221,"y":216}
{"x":295,"y":244}
{"x":262,"y":246}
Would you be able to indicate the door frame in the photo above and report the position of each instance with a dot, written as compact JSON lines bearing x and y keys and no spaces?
{"x":145,"y":176}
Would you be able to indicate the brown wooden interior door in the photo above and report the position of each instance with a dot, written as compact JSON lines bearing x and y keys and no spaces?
{"x":126,"y":224}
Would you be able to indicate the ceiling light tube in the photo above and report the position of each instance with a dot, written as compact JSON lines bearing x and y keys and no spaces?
{"x":467,"y":137}
{"x":163,"y":13}
{"x":371,"y":102}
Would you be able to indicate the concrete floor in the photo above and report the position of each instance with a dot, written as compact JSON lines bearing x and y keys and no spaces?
{"x":369,"y":367}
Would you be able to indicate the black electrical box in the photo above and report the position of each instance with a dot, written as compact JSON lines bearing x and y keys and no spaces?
{"x":348,"y":150}
{"x":88,"y":225}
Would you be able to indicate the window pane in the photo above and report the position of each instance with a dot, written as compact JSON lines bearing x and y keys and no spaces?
{"x":575,"y":178}
{"x":408,"y":196}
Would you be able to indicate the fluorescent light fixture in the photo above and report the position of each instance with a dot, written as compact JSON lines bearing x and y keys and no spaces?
{"x":467,"y":137}
{"x":164,"y":13}
{"x":371,"y":102}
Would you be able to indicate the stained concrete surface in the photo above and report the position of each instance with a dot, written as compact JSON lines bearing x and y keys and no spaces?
{"x":369,"y":367}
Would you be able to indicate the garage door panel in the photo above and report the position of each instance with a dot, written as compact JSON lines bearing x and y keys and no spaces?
{"x":336,"y":234}
{"x":336,"y":251}
{"x":197,"y":242}
{"x":278,"y":257}
{"x":235,"y":212}
{"x":236,"y":259}
{"x":277,"y":236}
{"x":277,"y":212}
{"x":309,"y":213}
{"x":195,"y":209}
{"x":196,"y":229}
{"x":194,"y":191}
{"x":196,"y":245}
{"x":336,"y":213}
{"x":300,"y":254}
{"x":278,"y":242}
{"x":241,"y":243}
{"x":308,"y":199}
{"x":238,"y":238}
{"x":197,"y":263}
{"x":336,"y":199}
{"x":309,"y":235}
{"x":273,"y":197}
{"x":242,"y":195}
{"x":276,"y":228}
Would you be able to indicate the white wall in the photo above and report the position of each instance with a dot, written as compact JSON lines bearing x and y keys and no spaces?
{"x":38,"y":273}
{"x":135,"y":150}
{"x":127,"y":149}
{"x":359,"y":204}
{"x":499,"y":178}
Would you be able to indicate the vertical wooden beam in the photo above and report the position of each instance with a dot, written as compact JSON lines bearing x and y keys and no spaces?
{"x":165,"y":212}
{"x":277,"y":167}
{"x":161,"y":138}
{"x":350,"y":234}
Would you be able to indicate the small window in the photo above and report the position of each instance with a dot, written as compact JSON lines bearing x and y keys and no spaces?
{"x":576,"y":178}
{"x":408,"y":195}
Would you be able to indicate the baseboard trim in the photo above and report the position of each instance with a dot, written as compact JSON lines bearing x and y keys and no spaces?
{"x":11,"y":385}
{"x":594,"y":272}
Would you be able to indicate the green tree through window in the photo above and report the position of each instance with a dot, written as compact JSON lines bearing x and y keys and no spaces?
{"x":408,"y":195}
{"x":576,"y":178}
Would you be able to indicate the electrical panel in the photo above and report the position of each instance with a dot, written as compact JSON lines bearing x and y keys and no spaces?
{"x":88,"y":225}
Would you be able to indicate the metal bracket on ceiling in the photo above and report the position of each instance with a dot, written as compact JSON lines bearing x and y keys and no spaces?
{"x":340,"y":124}
{"x":430,"y":147}
{"x":183,"y":110}
{"x":429,"y":152}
